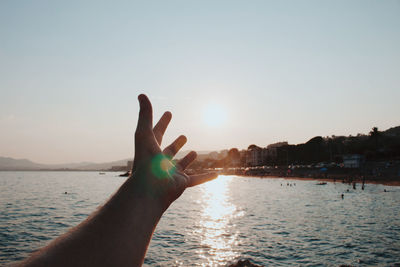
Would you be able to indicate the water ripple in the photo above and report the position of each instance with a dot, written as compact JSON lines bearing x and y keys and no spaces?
{"x":216,"y":223}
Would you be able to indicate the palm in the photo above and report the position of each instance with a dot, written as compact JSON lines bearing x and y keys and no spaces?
{"x":153,"y":168}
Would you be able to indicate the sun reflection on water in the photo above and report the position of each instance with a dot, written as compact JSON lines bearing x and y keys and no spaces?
{"x":216,"y":223}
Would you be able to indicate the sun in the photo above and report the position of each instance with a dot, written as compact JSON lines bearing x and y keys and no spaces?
{"x":214,"y":115}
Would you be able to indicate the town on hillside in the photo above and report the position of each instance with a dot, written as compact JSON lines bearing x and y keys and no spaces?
{"x":373,"y":156}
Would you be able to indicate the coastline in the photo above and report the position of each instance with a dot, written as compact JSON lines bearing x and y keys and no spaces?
{"x":330,"y":180}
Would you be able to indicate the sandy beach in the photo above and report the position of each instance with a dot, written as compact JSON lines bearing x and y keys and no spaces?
{"x":330,"y":180}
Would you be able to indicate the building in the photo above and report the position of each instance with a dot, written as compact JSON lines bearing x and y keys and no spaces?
{"x":353,"y":161}
{"x":271,"y":151}
{"x":254,"y":156}
{"x":213,"y":155}
{"x":257,"y":156}
{"x":123,"y":168}
{"x":118,"y":168}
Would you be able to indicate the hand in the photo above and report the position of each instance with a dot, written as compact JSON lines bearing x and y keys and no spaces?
{"x":155,"y":174}
{"x":119,"y":232}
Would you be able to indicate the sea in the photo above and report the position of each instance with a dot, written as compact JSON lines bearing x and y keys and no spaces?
{"x":271,"y":222}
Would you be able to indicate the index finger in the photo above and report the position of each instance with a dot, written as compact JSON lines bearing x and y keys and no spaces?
{"x":161,"y":126}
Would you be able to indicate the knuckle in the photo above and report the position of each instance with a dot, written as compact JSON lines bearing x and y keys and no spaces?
{"x":167,"y":151}
{"x":170,"y":150}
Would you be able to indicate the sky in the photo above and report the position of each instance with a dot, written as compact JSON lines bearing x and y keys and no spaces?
{"x":70,"y":73}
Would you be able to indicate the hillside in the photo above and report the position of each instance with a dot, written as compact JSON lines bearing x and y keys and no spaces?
{"x":394,"y":131}
{"x":11,"y":164}
{"x":7,"y":163}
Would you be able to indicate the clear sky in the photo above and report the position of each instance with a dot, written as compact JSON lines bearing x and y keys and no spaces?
{"x":70,"y":72}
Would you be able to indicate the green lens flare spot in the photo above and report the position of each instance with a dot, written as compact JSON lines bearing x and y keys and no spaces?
{"x":162,"y":166}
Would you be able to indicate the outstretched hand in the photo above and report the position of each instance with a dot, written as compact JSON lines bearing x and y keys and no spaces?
{"x":156,"y":175}
{"x":119,"y":232}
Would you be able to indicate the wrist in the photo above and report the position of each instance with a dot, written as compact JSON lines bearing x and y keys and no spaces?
{"x":142,"y":199}
{"x":157,"y":194}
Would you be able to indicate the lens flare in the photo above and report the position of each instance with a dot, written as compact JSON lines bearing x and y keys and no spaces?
{"x":162,"y":166}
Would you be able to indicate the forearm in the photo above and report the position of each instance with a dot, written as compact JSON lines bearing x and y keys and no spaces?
{"x":117,"y":234}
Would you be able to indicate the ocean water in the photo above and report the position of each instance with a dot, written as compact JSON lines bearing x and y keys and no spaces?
{"x":265,"y":220}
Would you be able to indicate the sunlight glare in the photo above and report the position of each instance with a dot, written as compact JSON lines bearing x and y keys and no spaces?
{"x":214,"y":115}
{"x":215,"y":223}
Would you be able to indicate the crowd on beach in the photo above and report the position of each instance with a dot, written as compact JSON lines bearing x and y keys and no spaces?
{"x":360,"y":175}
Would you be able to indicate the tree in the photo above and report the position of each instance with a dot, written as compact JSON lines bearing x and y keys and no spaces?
{"x":233,"y":157}
{"x":375,"y":135}
{"x":253,"y":146}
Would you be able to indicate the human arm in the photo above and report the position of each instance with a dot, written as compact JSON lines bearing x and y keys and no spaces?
{"x":119,"y":232}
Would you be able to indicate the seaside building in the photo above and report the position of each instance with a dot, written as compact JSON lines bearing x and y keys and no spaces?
{"x":353,"y":161}
{"x":213,"y":155}
{"x":123,"y":168}
{"x":271,"y":151}
{"x":118,"y":168}
{"x":223,"y":153}
{"x":254,"y":156}
{"x":257,"y":156}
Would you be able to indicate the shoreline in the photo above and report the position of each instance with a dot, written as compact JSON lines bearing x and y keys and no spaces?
{"x":357,"y":181}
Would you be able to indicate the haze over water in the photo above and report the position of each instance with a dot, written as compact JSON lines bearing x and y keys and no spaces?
{"x":215,"y":223}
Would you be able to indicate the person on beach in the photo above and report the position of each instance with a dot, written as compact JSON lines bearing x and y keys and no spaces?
{"x":119,"y":232}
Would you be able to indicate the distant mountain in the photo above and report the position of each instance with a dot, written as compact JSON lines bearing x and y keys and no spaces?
{"x":104,"y":165}
{"x":11,"y":164}
{"x":19,"y":164}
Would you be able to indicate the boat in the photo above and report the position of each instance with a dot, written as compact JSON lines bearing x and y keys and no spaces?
{"x":321,"y":183}
{"x":102,"y":173}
